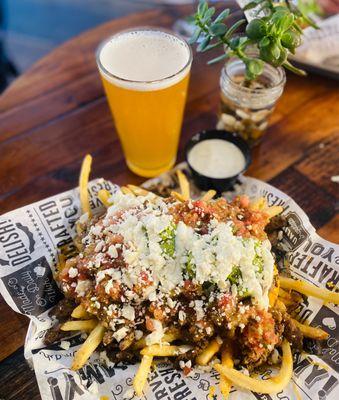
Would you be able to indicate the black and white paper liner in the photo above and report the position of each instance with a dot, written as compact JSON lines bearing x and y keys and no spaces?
{"x":27,"y":285}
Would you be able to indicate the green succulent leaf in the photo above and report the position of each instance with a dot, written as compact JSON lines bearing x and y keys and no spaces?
{"x":256,"y":29}
{"x":223,"y":15}
{"x":219,"y":29}
{"x":290,"y":40}
{"x":204,"y":43}
{"x":217,"y":59}
{"x":274,"y":35}
{"x":250,"y":5}
{"x":209,"y":14}
{"x":254,"y":68}
{"x":202,"y":7}
{"x":235,"y":27}
{"x":195,"y":36}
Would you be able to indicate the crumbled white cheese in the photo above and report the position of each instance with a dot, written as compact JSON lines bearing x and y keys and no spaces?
{"x":72,"y":272}
{"x":182,"y":315}
{"x":99,"y":246}
{"x":112,"y":251}
{"x":120,"y":334}
{"x":138,"y":334}
{"x":82,"y":287}
{"x":128,"y":312}
{"x":199,"y":309}
{"x":64,"y":344}
{"x":158,"y":333}
{"x":84,"y":218}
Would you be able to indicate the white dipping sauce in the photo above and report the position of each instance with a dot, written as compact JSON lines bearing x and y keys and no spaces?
{"x":216,"y":158}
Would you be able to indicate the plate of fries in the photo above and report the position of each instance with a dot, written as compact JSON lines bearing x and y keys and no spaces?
{"x":125,"y":302}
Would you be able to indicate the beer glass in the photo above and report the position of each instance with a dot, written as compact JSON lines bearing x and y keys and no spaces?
{"x":145,"y":74}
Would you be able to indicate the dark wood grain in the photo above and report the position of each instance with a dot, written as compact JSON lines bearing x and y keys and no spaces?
{"x":56,"y":113}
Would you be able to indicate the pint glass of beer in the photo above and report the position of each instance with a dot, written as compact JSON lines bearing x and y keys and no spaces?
{"x":145,"y":73}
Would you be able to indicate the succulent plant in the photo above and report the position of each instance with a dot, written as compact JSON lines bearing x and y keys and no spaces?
{"x":274,"y":33}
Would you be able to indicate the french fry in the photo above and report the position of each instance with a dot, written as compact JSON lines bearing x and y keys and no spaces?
{"x":157,"y":350}
{"x":140,"y":378}
{"x":103,"y":196}
{"x":280,"y":305}
{"x":83,"y":184}
{"x":309,"y":290}
{"x":286,"y":301}
{"x":88,"y":347}
{"x":310,"y":331}
{"x":274,"y":291}
{"x":126,"y":190}
{"x":138,"y":191}
{"x":258,"y":204}
{"x":227,"y":361}
{"x":86,"y":325}
{"x":208,"y":195}
{"x":178,"y":196}
{"x":80,"y":312}
{"x":273,"y":211}
{"x":268,"y":386}
{"x":184,"y":185}
{"x":206,"y":355}
{"x":283,"y":294}
{"x":167,"y":338}
{"x":62,"y":262}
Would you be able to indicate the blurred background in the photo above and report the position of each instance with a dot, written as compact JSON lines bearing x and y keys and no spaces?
{"x":29,"y":29}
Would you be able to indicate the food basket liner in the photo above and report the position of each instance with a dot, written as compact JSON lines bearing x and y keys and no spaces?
{"x":29,"y":239}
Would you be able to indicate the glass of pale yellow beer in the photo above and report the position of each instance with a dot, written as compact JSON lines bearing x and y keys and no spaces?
{"x":145,"y":73}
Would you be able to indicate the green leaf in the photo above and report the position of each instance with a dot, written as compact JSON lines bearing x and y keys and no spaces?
{"x":223,"y":15}
{"x":275,"y":50}
{"x":264,"y":42}
{"x":217,"y":59}
{"x":212,"y":46}
{"x":218,"y":29}
{"x":202,"y":7}
{"x":195,"y":35}
{"x":297,"y":27}
{"x":209,"y":14}
{"x":256,"y":29}
{"x":309,"y":21}
{"x":290,"y":40}
{"x":190,"y":19}
{"x":233,"y":28}
{"x":250,"y":5}
{"x":283,"y":21}
{"x":254,"y":67}
{"x":204,"y":43}
{"x":265,"y":6}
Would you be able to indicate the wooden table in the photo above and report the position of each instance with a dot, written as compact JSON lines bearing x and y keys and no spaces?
{"x":56,"y":113}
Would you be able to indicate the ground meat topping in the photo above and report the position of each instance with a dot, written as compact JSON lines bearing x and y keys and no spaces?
{"x":151,"y":264}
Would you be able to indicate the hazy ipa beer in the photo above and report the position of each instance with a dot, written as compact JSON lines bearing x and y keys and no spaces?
{"x":145,"y":74}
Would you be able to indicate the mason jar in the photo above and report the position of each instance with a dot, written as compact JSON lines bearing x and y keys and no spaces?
{"x":246,"y":105}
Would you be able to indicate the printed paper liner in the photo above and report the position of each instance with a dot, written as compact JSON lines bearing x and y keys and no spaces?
{"x":29,"y":239}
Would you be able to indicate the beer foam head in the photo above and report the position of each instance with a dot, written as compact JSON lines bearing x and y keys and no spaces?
{"x":144,"y":59}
